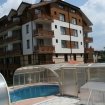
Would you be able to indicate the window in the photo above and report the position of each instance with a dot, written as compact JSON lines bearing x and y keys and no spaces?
{"x":56,"y":40}
{"x":75,"y":32}
{"x":61,"y":6}
{"x":27,"y":28}
{"x":37,"y":11}
{"x":80,"y":31}
{"x":63,"y":30}
{"x":28,"y":44}
{"x":56,"y":55}
{"x":74,"y":21}
{"x":81,"y":43}
{"x":64,"y":44}
{"x":73,"y":11}
{"x":56,"y":26}
{"x":55,"y":12}
{"x":61,"y":17}
{"x":76,"y":44}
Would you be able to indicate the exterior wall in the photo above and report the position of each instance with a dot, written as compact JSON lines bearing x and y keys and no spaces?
{"x":26,"y":37}
{"x":79,"y":39}
{"x":59,"y":37}
{"x":61,"y":59}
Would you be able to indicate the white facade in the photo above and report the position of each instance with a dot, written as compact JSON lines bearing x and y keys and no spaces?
{"x":59,"y":37}
{"x":27,"y":36}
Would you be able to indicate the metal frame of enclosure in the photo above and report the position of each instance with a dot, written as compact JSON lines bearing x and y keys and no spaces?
{"x":4,"y":94}
{"x":69,"y":77}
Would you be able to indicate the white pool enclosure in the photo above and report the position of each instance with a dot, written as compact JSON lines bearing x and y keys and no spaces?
{"x":69,"y":77}
{"x":4,"y":95}
{"x":79,"y":80}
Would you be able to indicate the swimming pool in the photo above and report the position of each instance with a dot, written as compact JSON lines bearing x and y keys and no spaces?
{"x":33,"y":92}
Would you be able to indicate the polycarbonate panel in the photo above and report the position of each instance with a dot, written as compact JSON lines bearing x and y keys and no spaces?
{"x":4,"y":95}
{"x":69,"y":82}
{"x":22,"y":79}
{"x":81,"y":77}
{"x":16,"y":80}
{"x":93,"y":93}
{"x":97,"y":74}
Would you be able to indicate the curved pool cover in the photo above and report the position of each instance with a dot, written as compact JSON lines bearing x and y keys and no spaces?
{"x":33,"y":92}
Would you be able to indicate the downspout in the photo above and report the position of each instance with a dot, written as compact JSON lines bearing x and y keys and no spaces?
{"x":70,"y":33}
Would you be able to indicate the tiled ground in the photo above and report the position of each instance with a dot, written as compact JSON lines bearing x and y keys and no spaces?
{"x":51,"y":100}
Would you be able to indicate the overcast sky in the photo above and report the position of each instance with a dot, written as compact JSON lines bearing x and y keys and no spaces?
{"x":94,"y":9}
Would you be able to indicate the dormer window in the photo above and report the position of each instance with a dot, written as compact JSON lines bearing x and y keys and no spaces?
{"x":37,"y":11}
{"x":73,"y":11}
{"x":61,"y":6}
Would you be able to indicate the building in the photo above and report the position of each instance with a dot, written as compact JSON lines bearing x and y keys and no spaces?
{"x":47,"y":32}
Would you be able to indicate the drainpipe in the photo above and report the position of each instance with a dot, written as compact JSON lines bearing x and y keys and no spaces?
{"x":69,"y":32}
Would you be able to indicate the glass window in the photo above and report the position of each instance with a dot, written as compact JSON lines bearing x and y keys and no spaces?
{"x":76,"y":44}
{"x":56,"y":26}
{"x":27,"y":28}
{"x":28,"y":44}
{"x":64,"y":44}
{"x":63,"y":30}
{"x":56,"y":40}
{"x":61,"y":17}
{"x":73,"y":10}
{"x":75,"y":32}
{"x":74,"y":21}
{"x":37,"y":11}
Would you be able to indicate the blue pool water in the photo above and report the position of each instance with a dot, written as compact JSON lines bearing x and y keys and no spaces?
{"x":33,"y":92}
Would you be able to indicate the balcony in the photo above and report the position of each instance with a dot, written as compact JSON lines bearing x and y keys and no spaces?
{"x":87,"y":29}
{"x":41,"y":33}
{"x":12,"y":38}
{"x":42,"y":18}
{"x":88,"y":39}
{"x":9,"y":25}
{"x":13,"y":66}
{"x":46,"y":62}
{"x":89,"y":50}
{"x":44,"y":49}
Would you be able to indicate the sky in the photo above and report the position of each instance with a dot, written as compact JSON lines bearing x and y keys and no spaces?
{"x":94,"y":10}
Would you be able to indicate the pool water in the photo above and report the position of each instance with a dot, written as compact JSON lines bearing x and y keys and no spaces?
{"x":33,"y":92}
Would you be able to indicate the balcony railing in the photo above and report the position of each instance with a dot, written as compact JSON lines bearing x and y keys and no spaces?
{"x":13,"y":38}
{"x":87,"y":29}
{"x":89,"y":50}
{"x":14,"y":52}
{"x":42,"y":17}
{"x":88,"y":39}
{"x":41,"y":33}
{"x":9,"y":25}
{"x":44,"y":49}
{"x":47,"y":62}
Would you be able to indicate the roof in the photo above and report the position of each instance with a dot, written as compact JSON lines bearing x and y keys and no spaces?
{"x":22,"y":6}
{"x":99,"y":86}
{"x":11,"y":13}
{"x":59,"y":66}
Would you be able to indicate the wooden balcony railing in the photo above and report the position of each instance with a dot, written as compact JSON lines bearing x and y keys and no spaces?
{"x":87,"y":29}
{"x":88,"y":39}
{"x":42,"y":17}
{"x":89,"y":50}
{"x":47,"y":62}
{"x":12,"y":38}
{"x":9,"y":25}
{"x":14,"y":52}
{"x":41,"y":33}
{"x":44,"y":49}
